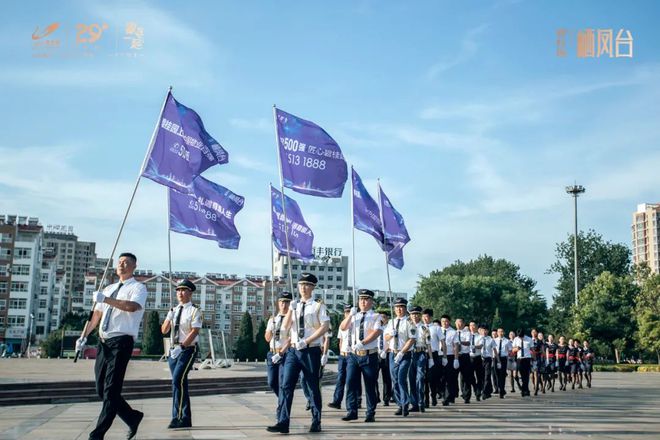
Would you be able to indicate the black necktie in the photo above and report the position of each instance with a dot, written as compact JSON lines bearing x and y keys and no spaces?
{"x":499,"y":352}
{"x":522,"y":347}
{"x":362,"y":327}
{"x":106,"y":320}
{"x":177,"y":322}
{"x":396,"y":334}
{"x":278,"y":325}
{"x":301,"y":322}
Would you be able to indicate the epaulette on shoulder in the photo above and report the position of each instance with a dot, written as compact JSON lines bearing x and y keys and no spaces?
{"x":320,"y":300}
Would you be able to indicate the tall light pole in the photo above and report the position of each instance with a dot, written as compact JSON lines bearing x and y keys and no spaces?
{"x":575,"y":191}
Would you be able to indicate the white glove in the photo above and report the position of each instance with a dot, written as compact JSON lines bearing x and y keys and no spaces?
{"x":98,"y":296}
{"x":275,"y":358}
{"x":534,"y":366}
{"x":382,"y":354}
{"x":324,"y":360}
{"x":301,"y":345}
{"x":353,"y":311}
{"x":556,"y":364}
{"x":293,"y":304}
{"x":80,"y":343}
{"x":175,"y":352}
{"x":170,"y":315}
{"x":444,"y":361}
{"x":398,"y":357}
{"x":456,"y":364}
{"x":547,"y":363}
{"x":358,"y":346}
{"x":431,"y":363}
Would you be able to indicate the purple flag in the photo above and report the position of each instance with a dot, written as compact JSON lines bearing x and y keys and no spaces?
{"x":396,"y":235}
{"x":366,"y":215}
{"x":182,"y":149}
{"x":301,"y":237}
{"x":206,"y":213}
{"x":312,"y":162}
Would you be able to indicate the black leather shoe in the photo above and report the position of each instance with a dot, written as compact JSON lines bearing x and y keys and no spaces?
{"x":316,"y":427}
{"x":370,"y":419}
{"x":278,"y":428}
{"x":414,"y":409}
{"x":185,"y":424}
{"x":132,"y":432}
{"x":434,"y":402}
{"x":349,"y":417}
{"x":478,"y":398}
{"x":445,"y":403}
{"x":422,"y":409}
{"x":398,"y":412}
{"x":308,"y":407}
{"x":334,"y":405}
{"x":174,"y":424}
{"x":405,"y":411}
{"x":387,"y":403}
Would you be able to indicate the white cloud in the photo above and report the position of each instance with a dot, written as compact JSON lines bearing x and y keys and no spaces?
{"x":467,"y":50}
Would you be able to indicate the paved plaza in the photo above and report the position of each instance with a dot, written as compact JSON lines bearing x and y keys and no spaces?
{"x":621,"y":406}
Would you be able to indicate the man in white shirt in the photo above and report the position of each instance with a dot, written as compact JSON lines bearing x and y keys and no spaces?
{"x":308,"y":322}
{"x":278,"y":342}
{"x":183,"y":323}
{"x":364,"y":328}
{"x":342,"y":363}
{"x":119,"y":309}
{"x":476,"y":344}
{"x":432,"y":383}
{"x":502,"y":347}
{"x":487,"y":361}
{"x":383,"y":361}
{"x":463,"y":346}
{"x":449,"y":363}
{"x":420,"y":361}
{"x":400,"y":334}
{"x":522,"y":346}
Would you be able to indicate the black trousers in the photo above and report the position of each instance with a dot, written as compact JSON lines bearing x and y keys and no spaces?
{"x":501,"y":375}
{"x":111,"y":362}
{"x":450,"y":380}
{"x":432,"y":385}
{"x":467,"y":375}
{"x":384,"y":365}
{"x":524,"y":368}
{"x":487,"y":389}
{"x":478,"y":378}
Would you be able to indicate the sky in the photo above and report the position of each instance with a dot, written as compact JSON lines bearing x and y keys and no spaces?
{"x":464,"y":110}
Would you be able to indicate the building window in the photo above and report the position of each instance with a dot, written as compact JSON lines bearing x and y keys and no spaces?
{"x":43,"y":303}
{"x":23,"y":252}
{"x":236,"y":308}
{"x":339,"y":269}
{"x":331,"y":269}
{"x":3,"y":287}
{"x":20,"y":269}
{"x":338,"y":277}
{"x":18,"y":286}
{"x":303,"y":267}
{"x":294,"y":266}
{"x":15,"y":320}
{"x":330,"y":278}
{"x":251,"y":298}
{"x":17,"y":303}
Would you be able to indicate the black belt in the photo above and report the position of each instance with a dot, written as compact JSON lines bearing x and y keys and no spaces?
{"x":114,"y":338}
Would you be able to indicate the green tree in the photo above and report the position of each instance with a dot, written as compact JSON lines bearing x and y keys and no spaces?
{"x":244,"y":348}
{"x":152,"y":339}
{"x":73,"y":321}
{"x":647,"y":308}
{"x":606,"y":315}
{"x":261,"y":346}
{"x":595,"y":256}
{"x":335,"y":321}
{"x":479,"y":289}
{"x":52,"y":345}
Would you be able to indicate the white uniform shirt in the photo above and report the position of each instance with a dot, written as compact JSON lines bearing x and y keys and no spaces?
{"x":502,"y":346}
{"x":121,"y":322}
{"x":345,"y":341}
{"x":371,"y":322}
{"x":475,"y":339}
{"x":524,"y":347}
{"x":449,"y":335}
{"x":191,"y":317}
{"x":434,"y":329}
{"x":316,"y":315}
{"x":463,"y":336}
{"x":423,"y":336}
{"x":275,"y":324}
{"x":406,"y":330}
{"x":487,"y":349}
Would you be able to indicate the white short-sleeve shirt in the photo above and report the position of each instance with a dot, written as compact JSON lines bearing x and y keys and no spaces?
{"x":315,"y":316}
{"x":123,"y":323}
{"x":279,"y":335}
{"x":423,"y":336}
{"x":487,"y":349}
{"x":404,"y":329}
{"x":448,"y":335}
{"x":524,"y":346}
{"x":463,"y":336}
{"x":345,"y":341}
{"x":191,"y":317}
{"x":371,"y":322}
{"x":502,"y":346}
{"x":435,"y":340}
{"x":476,"y":339}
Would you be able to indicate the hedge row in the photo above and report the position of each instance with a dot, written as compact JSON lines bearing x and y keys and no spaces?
{"x":628,"y":368}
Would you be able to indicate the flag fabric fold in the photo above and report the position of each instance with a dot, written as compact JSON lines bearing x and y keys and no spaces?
{"x":208,"y":212}
{"x":312,"y":162}
{"x":394,"y":228}
{"x":366,"y":214}
{"x":301,"y":237}
{"x":182,"y":148}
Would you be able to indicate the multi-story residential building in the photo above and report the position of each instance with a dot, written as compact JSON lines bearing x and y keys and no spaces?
{"x":646,"y":236}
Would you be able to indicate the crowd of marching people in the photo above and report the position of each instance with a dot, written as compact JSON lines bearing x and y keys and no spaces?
{"x":421,"y":361}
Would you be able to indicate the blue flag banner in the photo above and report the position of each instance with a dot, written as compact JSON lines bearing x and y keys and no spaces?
{"x":312,"y":162}
{"x":396,"y":235}
{"x":208,"y":213}
{"x":301,"y":237}
{"x":366,"y":215}
{"x":182,"y":148}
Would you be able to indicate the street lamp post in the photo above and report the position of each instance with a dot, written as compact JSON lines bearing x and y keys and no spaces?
{"x":575,"y":191}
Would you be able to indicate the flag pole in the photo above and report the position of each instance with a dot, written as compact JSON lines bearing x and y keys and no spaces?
{"x":169,"y":249}
{"x":387,"y":265}
{"x":286,"y":224}
{"x":272,"y":253}
{"x":123,"y":222}
{"x":353,"y":238}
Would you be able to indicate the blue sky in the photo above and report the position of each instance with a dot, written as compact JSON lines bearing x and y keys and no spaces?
{"x":464,"y":111}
